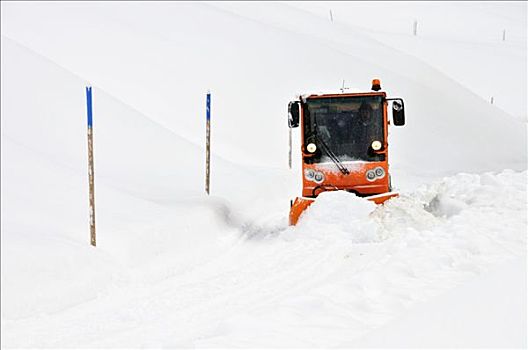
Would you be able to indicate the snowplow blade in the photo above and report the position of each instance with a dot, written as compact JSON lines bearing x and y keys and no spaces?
{"x":301,"y":203}
{"x":381,"y":198}
{"x":298,"y":207}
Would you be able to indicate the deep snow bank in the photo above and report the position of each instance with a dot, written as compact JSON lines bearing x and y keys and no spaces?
{"x":487,"y":311}
{"x":463,"y":40}
{"x":147,"y":190}
{"x":174,"y":268}
{"x":423,"y":244}
{"x":270,"y":51}
{"x":324,"y":285}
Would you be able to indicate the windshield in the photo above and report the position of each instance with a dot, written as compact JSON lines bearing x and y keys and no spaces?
{"x":348,"y":125}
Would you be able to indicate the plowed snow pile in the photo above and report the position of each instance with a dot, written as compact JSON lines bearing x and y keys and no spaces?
{"x":443,"y":264}
{"x":323,"y":283}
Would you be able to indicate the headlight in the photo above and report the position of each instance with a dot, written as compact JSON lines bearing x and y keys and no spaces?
{"x":318,"y":177}
{"x":371,"y":175}
{"x":380,"y":172}
{"x":311,"y":147}
{"x":376,"y":145}
{"x":309,"y":174}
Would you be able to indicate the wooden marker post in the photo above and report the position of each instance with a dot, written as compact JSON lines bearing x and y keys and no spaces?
{"x":90,"y":165}
{"x":207,"y":141}
{"x":290,"y":149}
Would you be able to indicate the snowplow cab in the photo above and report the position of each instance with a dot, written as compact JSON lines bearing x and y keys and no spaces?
{"x":344,"y":144}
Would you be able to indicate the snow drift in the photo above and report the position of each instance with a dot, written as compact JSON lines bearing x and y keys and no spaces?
{"x":449,"y":126}
{"x":176,"y":268}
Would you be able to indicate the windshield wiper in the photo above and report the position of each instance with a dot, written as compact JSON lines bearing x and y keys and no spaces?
{"x":327,"y":149}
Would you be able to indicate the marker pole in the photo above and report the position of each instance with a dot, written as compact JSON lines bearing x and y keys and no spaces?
{"x":90,"y":165}
{"x":207,"y":141}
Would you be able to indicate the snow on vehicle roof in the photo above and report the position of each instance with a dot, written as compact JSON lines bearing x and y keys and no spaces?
{"x":332,"y":92}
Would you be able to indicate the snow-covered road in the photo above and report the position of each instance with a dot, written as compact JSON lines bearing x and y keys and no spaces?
{"x":348,"y":268}
{"x":176,"y":268}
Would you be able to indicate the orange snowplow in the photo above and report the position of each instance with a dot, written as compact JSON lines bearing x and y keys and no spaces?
{"x":344,"y":144}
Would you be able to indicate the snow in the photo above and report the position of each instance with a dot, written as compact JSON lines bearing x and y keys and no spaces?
{"x":339,"y":91}
{"x":470,"y":49}
{"x":331,"y":207}
{"x":442,"y":265}
{"x":489,"y":302}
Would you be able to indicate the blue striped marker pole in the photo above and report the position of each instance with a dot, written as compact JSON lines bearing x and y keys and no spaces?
{"x":90,"y":165}
{"x":207,"y":140}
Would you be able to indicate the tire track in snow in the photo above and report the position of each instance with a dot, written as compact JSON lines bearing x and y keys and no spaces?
{"x":321,"y":287}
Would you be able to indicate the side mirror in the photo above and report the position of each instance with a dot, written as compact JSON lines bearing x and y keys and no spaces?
{"x":293,"y":114}
{"x":398,"y":113}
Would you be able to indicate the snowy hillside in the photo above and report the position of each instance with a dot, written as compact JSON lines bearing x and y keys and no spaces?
{"x":176,"y":268}
{"x":162,"y":59}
